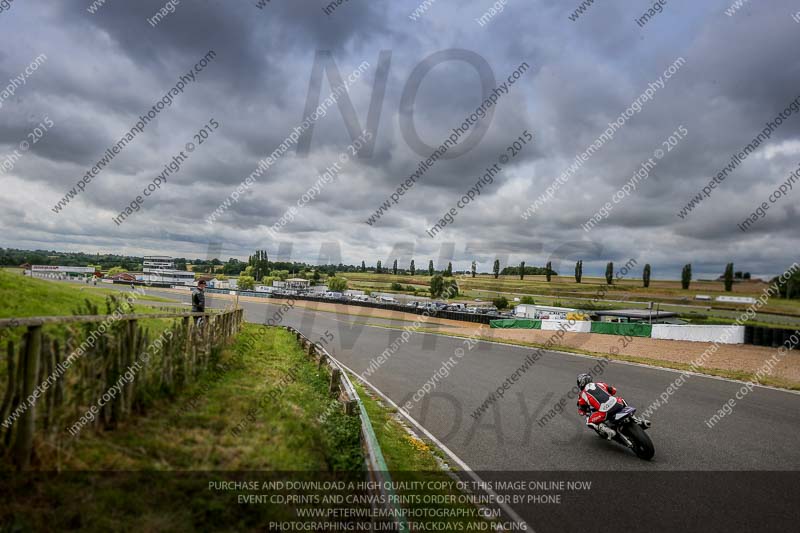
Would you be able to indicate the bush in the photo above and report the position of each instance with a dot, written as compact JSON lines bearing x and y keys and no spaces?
{"x":396,"y":286}
{"x":441,"y":287}
{"x":246,"y":283}
{"x":500,"y":303}
{"x":527,"y":300}
{"x":337,"y":284}
{"x":411,"y":288}
{"x":437,"y":286}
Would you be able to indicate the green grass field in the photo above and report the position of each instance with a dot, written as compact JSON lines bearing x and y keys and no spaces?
{"x":21,"y":296}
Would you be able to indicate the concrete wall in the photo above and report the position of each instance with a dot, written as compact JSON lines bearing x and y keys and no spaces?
{"x":721,"y":334}
{"x":580,"y":326}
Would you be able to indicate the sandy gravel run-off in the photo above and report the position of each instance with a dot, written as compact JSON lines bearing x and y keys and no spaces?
{"x":736,"y":357}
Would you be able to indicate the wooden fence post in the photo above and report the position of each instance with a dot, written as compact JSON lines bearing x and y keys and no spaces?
{"x":27,"y":422}
{"x":5,"y":407}
{"x":133,"y":334}
{"x":187,"y":345}
{"x":333,"y":389}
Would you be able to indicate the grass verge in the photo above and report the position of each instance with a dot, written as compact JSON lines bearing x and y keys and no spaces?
{"x":152,"y":473}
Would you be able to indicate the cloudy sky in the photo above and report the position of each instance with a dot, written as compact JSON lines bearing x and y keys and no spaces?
{"x":101,"y":71}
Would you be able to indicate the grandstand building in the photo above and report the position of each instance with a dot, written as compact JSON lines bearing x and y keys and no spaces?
{"x":160,"y":269}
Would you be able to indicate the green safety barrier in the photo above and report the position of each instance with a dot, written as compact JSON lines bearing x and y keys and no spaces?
{"x":516,"y":323}
{"x":633,"y":329}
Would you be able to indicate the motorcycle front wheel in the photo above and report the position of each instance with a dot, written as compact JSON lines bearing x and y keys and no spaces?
{"x":642,"y":445}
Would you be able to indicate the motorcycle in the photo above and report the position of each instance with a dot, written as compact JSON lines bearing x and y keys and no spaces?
{"x":630,"y":428}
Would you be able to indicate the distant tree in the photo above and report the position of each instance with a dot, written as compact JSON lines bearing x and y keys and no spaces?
{"x":115,"y":270}
{"x":578,"y":271}
{"x":610,"y":273}
{"x":180,"y":264}
{"x":396,"y":286}
{"x":646,"y":276}
{"x":549,"y":268}
{"x":788,"y":288}
{"x":473,"y":269}
{"x":746,"y":275}
{"x":412,"y":268}
{"x":337,"y":284}
{"x":233,"y":267}
{"x":363,"y":266}
{"x":430,"y":267}
{"x":267,"y":280}
{"x":316,"y":275}
{"x":686,"y":276}
{"x":450,"y":288}
{"x":378,"y":268}
{"x":522,"y":270}
{"x":394,"y":267}
{"x":449,"y":272}
{"x":527,"y":300}
{"x":280,"y":274}
{"x":260,"y":263}
{"x":500,"y":302}
{"x":728,"y":277}
{"x":437,"y":286}
{"x":737,"y":274}
{"x":496,"y":268}
{"x":246,"y":283}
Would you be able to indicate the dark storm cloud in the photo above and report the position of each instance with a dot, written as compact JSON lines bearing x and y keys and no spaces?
{"x":106,"y":69}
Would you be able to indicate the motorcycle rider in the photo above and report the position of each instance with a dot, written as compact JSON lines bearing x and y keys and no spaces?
{"x":594,"y":402}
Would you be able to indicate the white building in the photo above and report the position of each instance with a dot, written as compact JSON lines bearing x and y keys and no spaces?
{"x":59,"y":272}
{"x":350,"y":293}
{"x":297,"y":283}
{"x":542,"y":312}
{"x":161,"y":269}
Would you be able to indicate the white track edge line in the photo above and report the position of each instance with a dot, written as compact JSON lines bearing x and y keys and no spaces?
{"x":511,"y":513}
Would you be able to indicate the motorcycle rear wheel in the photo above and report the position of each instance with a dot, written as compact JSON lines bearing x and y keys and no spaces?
{"x":642,"y":445}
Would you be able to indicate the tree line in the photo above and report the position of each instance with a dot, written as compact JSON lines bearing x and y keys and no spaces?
{"x":259,"y":266}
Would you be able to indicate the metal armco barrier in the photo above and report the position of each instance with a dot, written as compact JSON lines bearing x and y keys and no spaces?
{"x":377,"y":470}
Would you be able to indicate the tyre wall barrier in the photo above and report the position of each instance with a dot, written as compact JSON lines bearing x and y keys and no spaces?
{"x":721,"y":334}
{"x":761,"y":336}
{"x":631,"y":329}
{"x":450,"y":315}
{"x":576,"y":326}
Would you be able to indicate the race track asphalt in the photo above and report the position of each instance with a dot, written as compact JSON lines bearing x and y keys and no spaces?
{"x":740,"y":474}
{"x":761,"y":433}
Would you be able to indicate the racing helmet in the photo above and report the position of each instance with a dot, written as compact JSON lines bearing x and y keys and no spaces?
{"x":583,"y":380}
